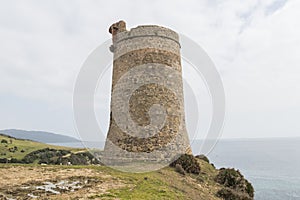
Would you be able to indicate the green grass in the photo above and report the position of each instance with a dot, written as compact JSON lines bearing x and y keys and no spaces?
{"x":143,"y":186}
{"x":23,"y":147}
{"x":162,"y":184}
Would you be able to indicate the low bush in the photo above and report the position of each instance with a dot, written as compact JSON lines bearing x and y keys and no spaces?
{"x":188,"y":162}
{"x":202,"y":157}
{"x":47,"y":156}
{"x":233,"y":179}
{"x":230,"y":194}
{"x":3,"y":141}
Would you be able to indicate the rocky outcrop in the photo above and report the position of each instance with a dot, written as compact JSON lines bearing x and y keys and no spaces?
{"x":237,"y":187}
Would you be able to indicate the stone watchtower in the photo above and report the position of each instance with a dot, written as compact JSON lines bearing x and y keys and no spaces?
{"x":147,"y":119}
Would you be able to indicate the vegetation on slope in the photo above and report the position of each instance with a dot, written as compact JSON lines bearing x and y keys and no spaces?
{"x":11,"y":147}
{"x":237,"y":187}
{"x":104,"y":183}
{"x":14,"y":150}
{"x":188,"y":177}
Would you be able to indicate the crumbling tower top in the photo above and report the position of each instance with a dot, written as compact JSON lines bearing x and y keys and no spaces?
{"x":117,"y":27}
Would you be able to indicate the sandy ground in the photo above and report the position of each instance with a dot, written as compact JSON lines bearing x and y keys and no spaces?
{"x":51,"y":182}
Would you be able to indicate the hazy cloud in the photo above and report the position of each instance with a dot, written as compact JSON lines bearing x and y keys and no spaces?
{"x":255,"y":45}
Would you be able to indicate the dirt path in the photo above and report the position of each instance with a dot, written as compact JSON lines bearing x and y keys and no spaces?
{"x":53,"y":182}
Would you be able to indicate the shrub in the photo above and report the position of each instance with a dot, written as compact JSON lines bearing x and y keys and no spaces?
{"x":228,"y":177}
{"x":188,"y":162}
{"x":3,"y":141}
{"x":202,"y":157}
{"x":56,"y":157}
{"x":47,"y":155}
{"x":14,"y":160}
{"x":233,"y":179}
{"x":249,"y":189}
{"x":83,"y":158}
{"x":230,"y":194}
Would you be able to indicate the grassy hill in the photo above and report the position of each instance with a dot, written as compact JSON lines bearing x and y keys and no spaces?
{"x":11,"y":147}
{"x":101,"y":182}
{"x":28,"y":181}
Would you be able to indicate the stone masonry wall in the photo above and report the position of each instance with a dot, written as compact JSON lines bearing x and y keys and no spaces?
{"x":148,"y":56}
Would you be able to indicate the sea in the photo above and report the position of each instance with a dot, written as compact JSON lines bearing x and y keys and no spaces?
{"x":271,"y":165}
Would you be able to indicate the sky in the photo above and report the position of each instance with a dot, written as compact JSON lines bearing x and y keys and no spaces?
{"x":254,"y":44}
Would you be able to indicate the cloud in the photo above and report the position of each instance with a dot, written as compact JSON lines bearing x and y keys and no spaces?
{"x":254,"y":44}
{"x":274,"y":6}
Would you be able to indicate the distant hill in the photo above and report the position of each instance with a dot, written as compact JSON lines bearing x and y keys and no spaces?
{"x":38,"y":136}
